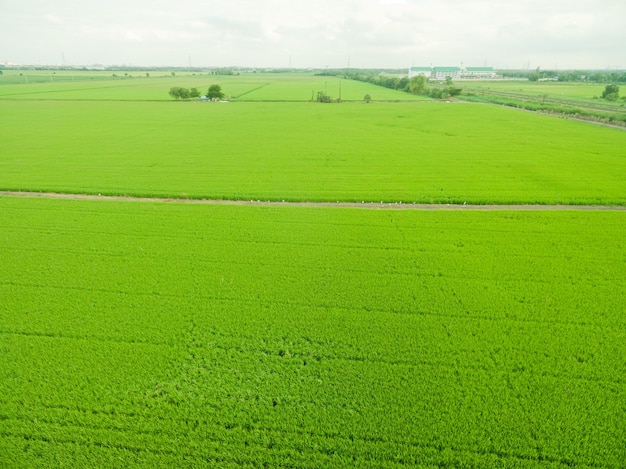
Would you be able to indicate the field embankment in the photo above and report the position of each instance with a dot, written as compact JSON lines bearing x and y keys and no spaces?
{"x":269,"y":203}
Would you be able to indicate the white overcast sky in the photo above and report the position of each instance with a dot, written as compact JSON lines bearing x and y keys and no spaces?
{"x":316,"y":33}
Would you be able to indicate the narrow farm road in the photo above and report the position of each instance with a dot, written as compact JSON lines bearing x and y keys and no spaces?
{"x":361,"y":205}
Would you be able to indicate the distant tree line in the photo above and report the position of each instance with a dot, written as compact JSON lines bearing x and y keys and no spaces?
{"x":591,"y":76}
{"x":224,"y":71}
{"x":416,"y":85}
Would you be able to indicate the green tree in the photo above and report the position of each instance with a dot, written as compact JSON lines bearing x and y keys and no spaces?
{"x":194,"y":93}
{"x":450,"y":89}
{"x":392,"y":82}
{"x":177,"y":92}
{"x":215,"y":92}
{"x":322,"y":97}
{"x":611,"y":92}
{"x":534,"y":76}
{"x":367,"y":98}
{"x":454,"y":91}
{"x":436,"y":93}
{"x":417,"y":85}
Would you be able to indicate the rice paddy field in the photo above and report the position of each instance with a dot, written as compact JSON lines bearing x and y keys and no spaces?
{"x":428,"y":152}
{"x":568,"y":99}
{"x":136,"y":86}
{"x":177,"y":334}
{"x":571,"y":90}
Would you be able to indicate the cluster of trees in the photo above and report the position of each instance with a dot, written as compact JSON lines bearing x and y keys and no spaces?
{"x":449,"y":90}
{"x":375,"y":78}
{"x":178,"y":92}
{"x":419,"y":85}
{"x":322,"y":97}
{"x":611,"y":92}
{"x":416,"y":85}
{"x":224,"y":71}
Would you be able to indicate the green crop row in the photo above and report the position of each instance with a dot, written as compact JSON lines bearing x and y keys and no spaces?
{"x":154,"y":335}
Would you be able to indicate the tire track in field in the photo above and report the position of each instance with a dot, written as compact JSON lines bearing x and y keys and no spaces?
{"x":268,"y":203}
{"x":223,"y":429}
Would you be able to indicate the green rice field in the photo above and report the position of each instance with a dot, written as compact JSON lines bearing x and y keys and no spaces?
{"x":148,"y":334}
{"x":429,"y":152}
{"x":103,"y":86}
{"x":553,"y":89}
{"x":171,"y":334}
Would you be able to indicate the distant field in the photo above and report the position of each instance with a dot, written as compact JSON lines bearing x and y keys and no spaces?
{"x":414,"y":152}
{"x":138,"y":87}
{"x":554,"y":89}
{"x":27,"y":77}
{"x":305,"y":87}
{"x":92,"y":85}
{"x":108,"y":88}
{"x":175,"y":335}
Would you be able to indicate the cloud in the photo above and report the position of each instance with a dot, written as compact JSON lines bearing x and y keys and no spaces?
{"x":133,"y":36}
{"x":53,"y":19}
{"x":368,"y":33}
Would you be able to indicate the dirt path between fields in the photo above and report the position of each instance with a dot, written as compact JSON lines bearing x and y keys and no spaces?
{"x":361,"y":205}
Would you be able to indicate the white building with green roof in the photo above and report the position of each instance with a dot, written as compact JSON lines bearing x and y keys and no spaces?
{"x":416,"y":71}
{"x":455,"y":73}
{"x":479,"y":73}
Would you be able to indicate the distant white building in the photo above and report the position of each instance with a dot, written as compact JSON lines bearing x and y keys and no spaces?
{"x":417,"y":71}
{"x":478,"y":73}
{"x":455,"y":73}
{"x":441,"y":73}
